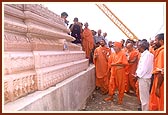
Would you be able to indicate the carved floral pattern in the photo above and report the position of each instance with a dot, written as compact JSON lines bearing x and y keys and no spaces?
{"x":21,"y":84}
{"x":47,"y":77}
{"x":26,"y":68}
{"x":18,"y":61}
{"x":51,"y":58}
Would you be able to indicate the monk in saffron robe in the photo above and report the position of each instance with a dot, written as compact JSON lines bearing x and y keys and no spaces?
{"x":88,"y":41}
{"x":118,"y":61}
{"x":151,"y":47}
{"x":127,"y":66}
{"x":133,"y":62}
{"x":156,"y":102}
{"x":100,"y":59}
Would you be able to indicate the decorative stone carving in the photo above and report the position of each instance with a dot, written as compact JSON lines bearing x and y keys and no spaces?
{"x":43,"y":44}
{"x":43,"y":12}
{"x":17,"y":6}
{"x":18,"y":85}
{"x":35,"y":57}
{"x":14,"y":10}
{"x":51,"y":58}
{"x":16,"y":42}
{"x":15,"y":26}
{"x":7,"y":97}
{"x":45,"y":22}
{"x":36,"y":29}
{"x":18,"y":61}
{"x":73,"y":47}
{"x":47,"y":77}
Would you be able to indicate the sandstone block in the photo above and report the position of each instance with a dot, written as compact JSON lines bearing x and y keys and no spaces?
{"x":18,"y":85}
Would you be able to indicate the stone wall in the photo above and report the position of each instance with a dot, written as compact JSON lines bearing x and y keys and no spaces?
{"x":68,"y":95}
{"x":34,"y":55}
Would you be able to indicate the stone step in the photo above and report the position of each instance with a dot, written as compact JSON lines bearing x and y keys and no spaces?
{"x":51,"y":58}
{"x":19,"y":85}
{"x":49,"y":76}
{"x":16,"y":62}
{"x":68,"y":95}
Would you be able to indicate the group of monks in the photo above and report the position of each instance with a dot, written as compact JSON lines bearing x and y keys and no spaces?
{"x":115,"y":70}
{"x":116,"y":64}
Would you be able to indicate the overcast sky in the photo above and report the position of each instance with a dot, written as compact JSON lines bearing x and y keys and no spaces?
{"x":145,"y":20}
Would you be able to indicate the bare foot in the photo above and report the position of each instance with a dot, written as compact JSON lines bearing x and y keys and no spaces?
{"x":110,"y":98}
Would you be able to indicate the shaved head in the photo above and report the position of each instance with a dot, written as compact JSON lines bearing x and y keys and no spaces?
{"x":130,"y":46}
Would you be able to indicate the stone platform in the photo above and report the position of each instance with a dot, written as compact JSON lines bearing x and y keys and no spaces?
{"x":68,"y":95}
{"x":42,"y":69}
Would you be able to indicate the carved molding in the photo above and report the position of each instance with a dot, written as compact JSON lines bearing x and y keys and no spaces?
{"x":16,"y":42}
{"x":36,"y":29}
{"x":7,"y":94}
{"x":10,"y":9}
{"x":18,"y":61}
{"x":47,"y":77}
{"x":34,"y":40}
{"x":17,"y":6}
{"x":15,"y":26}
{"x":18,"y":85}
{"x":74,"y":47}
{"x":40,"y":44}
{"x":31,"y":17}
{"x":52,"y":58}
{"x":44,"y":12}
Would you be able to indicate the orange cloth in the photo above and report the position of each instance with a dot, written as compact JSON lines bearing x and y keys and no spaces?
{"x":137,"y":91}
{"x":156,"y":103}
{"x":117,"y":73}
{"x":132,"y":68}
{"x":126,"y":72}
{"x":88,"y":42}
{"x":118,"y":44}
{"x":100,"y":59}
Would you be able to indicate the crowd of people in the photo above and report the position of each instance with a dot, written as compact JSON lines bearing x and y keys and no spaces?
{"x":124,"y":66}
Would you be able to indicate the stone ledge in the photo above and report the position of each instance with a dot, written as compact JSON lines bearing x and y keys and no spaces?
{"x":59,"y":97}
{"x":49,"y":76}
{"x":51,"y":58}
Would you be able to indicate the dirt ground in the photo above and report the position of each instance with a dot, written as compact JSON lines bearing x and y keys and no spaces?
{"x":96,"y":103}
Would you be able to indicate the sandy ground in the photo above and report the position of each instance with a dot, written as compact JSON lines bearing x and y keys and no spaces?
{"x":96,"y":103}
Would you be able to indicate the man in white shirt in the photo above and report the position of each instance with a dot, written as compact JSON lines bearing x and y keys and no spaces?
{"x":144,"y":73}
{"x":98,"y":38}
{"x":110,"y":45}
{"x":106,"y":40}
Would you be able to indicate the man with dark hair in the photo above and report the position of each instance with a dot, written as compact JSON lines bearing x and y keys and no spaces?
{"x":76,"y":31}
{"x":144,"y":73}
{"x":98,"y":38}
{"x":64,"y":15}
{"x":157,"y":91}
{"x":123,"y":42}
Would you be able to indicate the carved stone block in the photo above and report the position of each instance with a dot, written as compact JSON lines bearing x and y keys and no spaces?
{"x":18,"y":61}
{"x":44,"y":12}
{"x":14,"y":10}
{"x":50,"y":58}
{"x":34,"y":57}
{"x":40,"y":44}
{"x":18,"y":85}
{"x":7,"y":93}
{"x":47,"y":77}
{"x":16,"y":42}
